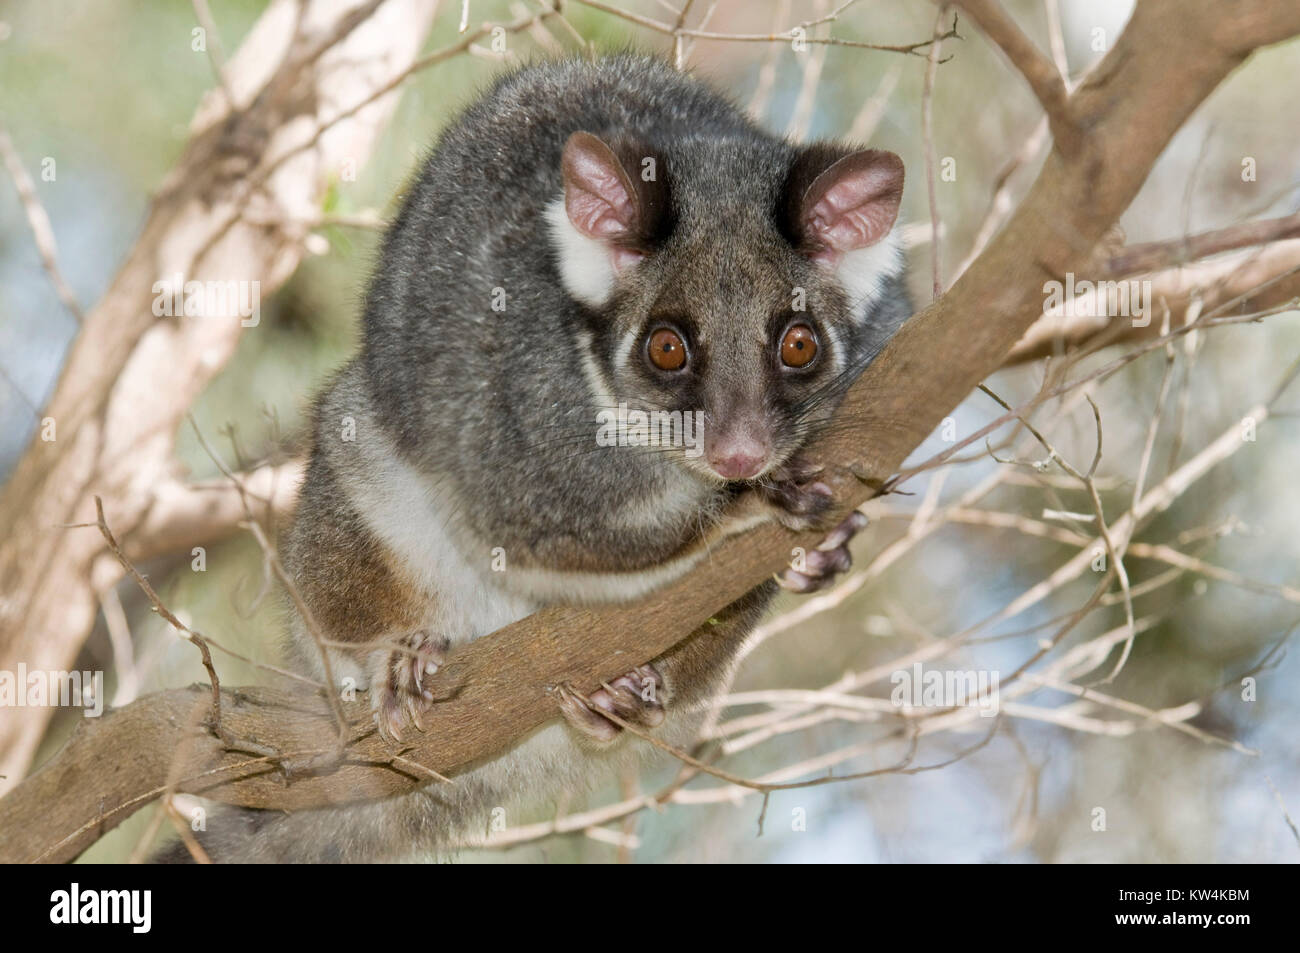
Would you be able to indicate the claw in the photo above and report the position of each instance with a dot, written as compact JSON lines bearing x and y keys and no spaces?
{"x":830,"y":558}
{"x":800,"y":500}
{"x":388,"y":720}
{"x":591,"y":724}
{"x":401,"y":700}
{"x":849,"y":527}
{"x":633,"y":697}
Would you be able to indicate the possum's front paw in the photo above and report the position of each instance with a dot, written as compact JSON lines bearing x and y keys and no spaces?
{"x":397,"y":687}
{"x":634,"y":697}
{"x":817,"y":568}
{"x":798,"y":499}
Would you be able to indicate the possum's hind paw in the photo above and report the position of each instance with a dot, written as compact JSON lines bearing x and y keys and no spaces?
{"x":400,"y":698}
{"x":634,"y":697}
{"x":818,"y":567}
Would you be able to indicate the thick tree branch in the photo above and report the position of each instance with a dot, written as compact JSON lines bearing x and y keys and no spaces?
{"x":504,"y":685}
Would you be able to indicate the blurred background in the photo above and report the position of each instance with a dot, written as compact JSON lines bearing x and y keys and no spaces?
{"x":109,"y":89}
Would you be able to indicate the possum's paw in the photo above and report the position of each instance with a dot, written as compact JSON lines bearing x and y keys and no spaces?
{"x":798,"y":499}
{"x":818,"y":568}
{"x":634,"y":697}
{"x":399,"y":696}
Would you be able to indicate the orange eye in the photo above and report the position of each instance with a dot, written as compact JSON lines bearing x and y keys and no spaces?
{"x":799,"y":346}
{"x":667,"y":350}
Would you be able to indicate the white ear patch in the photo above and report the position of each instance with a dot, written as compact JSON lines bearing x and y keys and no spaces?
{"x":584,"y":262}
{"x":863,"y":271}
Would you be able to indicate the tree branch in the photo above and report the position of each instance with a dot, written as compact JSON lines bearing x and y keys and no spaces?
{"x":1153,"y":256}
{"x":1039,"y":71}
{"x":39,"y":221}
{"x":1245,"y":282}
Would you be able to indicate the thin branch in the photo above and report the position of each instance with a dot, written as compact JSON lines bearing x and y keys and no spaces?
{"x":927,"y":134}
{"x":39,"y":222}
{"x":1044,"y":79}
{"x":658,"y":26}
{"x":216,"y":55}
{"x":186,"y":632}
{"x":273,"y":559}
{"x":1155,"y":256}
{"x":258,"y":179}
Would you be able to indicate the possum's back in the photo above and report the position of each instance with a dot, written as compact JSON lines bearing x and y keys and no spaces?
{"x":496,"y":166}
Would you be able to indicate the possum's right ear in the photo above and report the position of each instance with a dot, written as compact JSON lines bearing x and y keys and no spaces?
{"x":606,"y":221}
{"x":599,"y":196}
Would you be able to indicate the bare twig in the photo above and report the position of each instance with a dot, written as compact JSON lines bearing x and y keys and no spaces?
{"x":212,"y":44}
{"x":39,"y":222}
{"x":186,"y":632}
{"x":1040,"y":73}
{"x":927,"y":132}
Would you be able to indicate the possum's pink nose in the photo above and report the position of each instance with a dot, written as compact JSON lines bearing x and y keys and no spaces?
{"x":738,"y":466}
{"x":737,"y":457}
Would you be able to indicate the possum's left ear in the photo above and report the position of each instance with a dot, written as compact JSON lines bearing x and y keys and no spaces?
{"x":837,"y":202}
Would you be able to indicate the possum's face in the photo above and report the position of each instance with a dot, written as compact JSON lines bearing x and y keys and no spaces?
{"x":727,"y":290}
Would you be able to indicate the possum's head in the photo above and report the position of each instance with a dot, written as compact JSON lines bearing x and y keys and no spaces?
{"x":740,"y":278}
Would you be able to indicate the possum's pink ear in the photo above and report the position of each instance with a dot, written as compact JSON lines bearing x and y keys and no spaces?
{"x":599,"y":197}
{"x":852,"y":203}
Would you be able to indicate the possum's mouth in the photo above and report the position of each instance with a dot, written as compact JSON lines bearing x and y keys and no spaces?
{"x":764,"y":476}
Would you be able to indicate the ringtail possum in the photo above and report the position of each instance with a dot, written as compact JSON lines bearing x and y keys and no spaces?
{"x":590,"y":233}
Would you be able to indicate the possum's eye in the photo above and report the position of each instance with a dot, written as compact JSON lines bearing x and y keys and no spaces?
{"x":798,"y":346}
{"x":666,"y":349}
